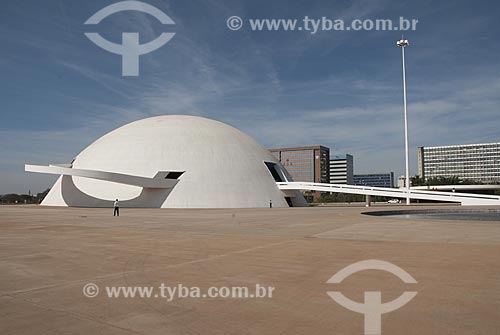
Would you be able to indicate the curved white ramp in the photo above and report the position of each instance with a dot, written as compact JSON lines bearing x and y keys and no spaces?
{"x":154,"y":190}
{"x":468,"y":199}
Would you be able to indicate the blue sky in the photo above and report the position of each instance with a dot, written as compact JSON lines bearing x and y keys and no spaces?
{"x":59,"y":91}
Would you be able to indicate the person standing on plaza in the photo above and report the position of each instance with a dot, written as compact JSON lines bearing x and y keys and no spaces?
{"x":116,"y":207}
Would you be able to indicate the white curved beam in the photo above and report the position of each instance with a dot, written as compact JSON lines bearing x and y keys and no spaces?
{"x":158,"y":181}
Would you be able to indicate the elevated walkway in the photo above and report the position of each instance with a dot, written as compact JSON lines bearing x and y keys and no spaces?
{"x":465,"y":199}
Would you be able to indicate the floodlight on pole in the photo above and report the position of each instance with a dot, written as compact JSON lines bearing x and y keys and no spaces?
{"x":403,"y":44}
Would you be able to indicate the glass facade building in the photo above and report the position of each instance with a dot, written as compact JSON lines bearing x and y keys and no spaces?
{"x":477,"y":162}
{"x":383,"y":179}
{"x":308,"y":164}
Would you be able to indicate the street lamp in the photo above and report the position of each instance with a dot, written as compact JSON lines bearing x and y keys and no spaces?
{"x":403,"y":44}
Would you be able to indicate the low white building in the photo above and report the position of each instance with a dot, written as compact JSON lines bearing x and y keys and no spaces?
{"x":477,"y":162}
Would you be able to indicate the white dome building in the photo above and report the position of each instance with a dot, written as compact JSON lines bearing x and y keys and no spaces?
{"x":172,"y":161}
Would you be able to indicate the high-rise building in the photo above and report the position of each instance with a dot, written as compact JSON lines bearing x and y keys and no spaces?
{"x":478,"y":162}
{"x":308,"y":164}
{"x":382,"y":179}
{"x":341,"y":169}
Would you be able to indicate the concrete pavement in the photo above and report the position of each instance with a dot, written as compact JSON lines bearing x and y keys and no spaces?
{"x":49,"y":254}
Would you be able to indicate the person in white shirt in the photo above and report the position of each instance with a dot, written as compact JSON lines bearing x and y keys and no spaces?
{"x":117,"y":208}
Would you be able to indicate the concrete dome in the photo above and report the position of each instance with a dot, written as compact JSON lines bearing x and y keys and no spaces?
{"x":223,"y":167}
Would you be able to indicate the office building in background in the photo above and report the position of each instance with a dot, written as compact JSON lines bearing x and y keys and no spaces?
{"x":342,"y":169}
{"x":382,"y":179}
{"x":477,"y":162}
{"x":308,"y":164}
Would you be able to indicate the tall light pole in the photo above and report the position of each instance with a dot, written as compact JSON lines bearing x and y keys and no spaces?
{"x":403,"y":44}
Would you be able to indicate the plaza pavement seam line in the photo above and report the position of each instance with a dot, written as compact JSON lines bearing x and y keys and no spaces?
{"x":76,"y":315}
{"x":12,"y":295}
{"x":135,"y":271}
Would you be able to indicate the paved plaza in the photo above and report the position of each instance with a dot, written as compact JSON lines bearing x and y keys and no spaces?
{"x":48,"y":255}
